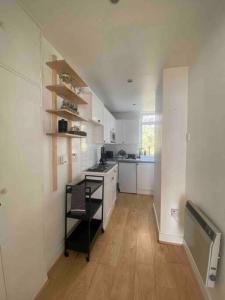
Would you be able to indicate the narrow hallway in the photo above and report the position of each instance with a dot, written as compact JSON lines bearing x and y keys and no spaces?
{"x":126,"y":263}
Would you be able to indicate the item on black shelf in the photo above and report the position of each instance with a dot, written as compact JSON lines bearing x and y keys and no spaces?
{"x":62,"y":125}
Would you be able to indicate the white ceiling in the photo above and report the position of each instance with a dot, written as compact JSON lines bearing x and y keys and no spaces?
{"x":109,"y":43}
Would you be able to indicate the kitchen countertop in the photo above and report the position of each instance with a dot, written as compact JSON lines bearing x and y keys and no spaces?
{"x":137,"y":160}
{"x":95,"y":173}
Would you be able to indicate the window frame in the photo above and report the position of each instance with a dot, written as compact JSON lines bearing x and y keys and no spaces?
{"x":145,"y":123}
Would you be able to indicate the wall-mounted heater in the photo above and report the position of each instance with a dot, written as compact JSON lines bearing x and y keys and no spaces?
{"x":203,"y":241}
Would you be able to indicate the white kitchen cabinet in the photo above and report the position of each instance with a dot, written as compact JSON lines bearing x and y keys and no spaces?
{"x":127,"y":177}
{"x":97,"y":110}
{"x":110,"y":188}
{"x":107,"y":124}
{"x":20,"y":42}
{"x":127,"y":131}
{"x":93,"y":112}
{"x":145,"y":178}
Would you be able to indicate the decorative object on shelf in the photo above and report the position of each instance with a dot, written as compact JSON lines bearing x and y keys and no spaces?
{"x":77,"y":90}
{"x":78,"y":132}
{"x":62,"y":125}
{"x":74,"y":128}
{"x":69,"y":106}
{"x":65,"y":78}
{"x":62,"y":67}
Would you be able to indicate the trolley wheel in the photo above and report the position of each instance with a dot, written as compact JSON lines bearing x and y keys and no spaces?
{"x":103,"y":230}
{"x":66,"y":253}
{"x":87,"y":258}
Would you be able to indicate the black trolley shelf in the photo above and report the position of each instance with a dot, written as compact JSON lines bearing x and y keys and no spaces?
{"x":82,"y":237}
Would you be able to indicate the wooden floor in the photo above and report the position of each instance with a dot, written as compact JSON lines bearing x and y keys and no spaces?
{"x":126,"y":262}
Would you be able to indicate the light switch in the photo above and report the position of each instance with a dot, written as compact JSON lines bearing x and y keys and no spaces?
{"x":62,"y":159}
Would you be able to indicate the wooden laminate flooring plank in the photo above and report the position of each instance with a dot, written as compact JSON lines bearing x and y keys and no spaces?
{"x":127,"y":262}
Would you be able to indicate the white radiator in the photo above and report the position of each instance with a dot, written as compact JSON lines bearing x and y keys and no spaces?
{"x":203,"y":241}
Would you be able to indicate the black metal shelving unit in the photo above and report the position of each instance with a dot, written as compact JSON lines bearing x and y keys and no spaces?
{"x":82,"y":237}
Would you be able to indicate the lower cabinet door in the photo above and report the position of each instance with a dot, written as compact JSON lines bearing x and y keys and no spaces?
{"x":128,"y":177}
{"x":145,"y":178}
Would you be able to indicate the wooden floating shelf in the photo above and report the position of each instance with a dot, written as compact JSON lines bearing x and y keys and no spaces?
{"x":66,"y":93}
{"x":67,"y":114}
{"x":62,"y":67}
{"x":67,"y":135}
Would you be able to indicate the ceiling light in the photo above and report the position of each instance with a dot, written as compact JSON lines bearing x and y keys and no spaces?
{"x":114,"y":1}
{"x":129,"y":80}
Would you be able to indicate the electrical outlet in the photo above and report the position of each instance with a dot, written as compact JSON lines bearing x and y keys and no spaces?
{"x":174,"y":212}
{"x":62,"y":159}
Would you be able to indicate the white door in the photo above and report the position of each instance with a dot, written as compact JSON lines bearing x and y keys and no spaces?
{"x":21,"y":221}
{"x":2,"y":282}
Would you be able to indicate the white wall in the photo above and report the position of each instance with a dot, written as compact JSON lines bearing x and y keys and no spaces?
{"x":23,"y":56}
{"x":206,"y":125}
{"x":158,"y":148}
{"x":21,"y":218}
{"x":129,"y":148}
{"x":171,"y":152}
{"x":86,"y":156}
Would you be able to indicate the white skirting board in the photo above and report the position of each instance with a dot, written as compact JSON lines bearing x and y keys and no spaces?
{"x":145,"y":192}
{"x":167,"y":238}
{"x":179,"y":240}
{"x":156,"y":217}
{"x":170,"y":238}
{"x":196,"y":272}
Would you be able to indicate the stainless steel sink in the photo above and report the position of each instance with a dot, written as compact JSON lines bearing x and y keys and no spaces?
{"x":100,"y":168}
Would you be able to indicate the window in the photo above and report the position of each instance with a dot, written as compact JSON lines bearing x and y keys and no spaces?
{"x":148,"y":134}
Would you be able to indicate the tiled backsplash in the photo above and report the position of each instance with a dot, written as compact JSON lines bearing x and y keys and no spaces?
{"x":131,"y":148}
